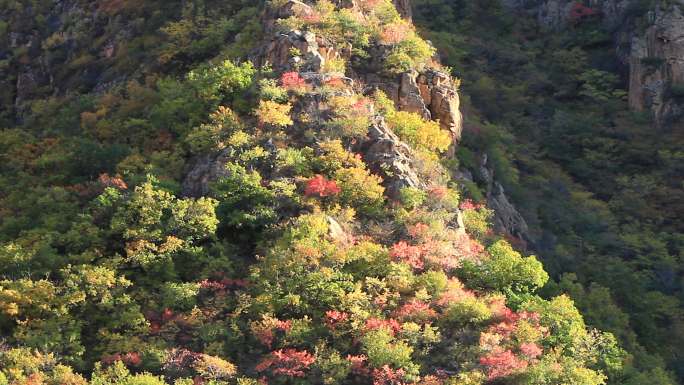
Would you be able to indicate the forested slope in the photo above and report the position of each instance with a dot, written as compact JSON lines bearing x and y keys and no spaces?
{"x":212,"y":192}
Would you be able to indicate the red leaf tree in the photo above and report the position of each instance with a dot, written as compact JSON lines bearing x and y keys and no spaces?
{"x":286,"y":362}
{"x":320,"y":186}
{"x":502,"y":363}
{"x":403,"y":252}
{"x":292,"y":81}
{"x":580,"y":11}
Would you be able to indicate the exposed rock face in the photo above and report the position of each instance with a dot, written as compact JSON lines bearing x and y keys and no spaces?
{"x":202,"y":171}
{"x":507,"y":219}
{"x":440,"y":94}
{"x":389,"y":157}
{"x":313,"y":51}
{"x":278,"y":52}
{"x":656,"y":64}
{"x":554,"y":13}
{"x":557,"y":14}
{"x":430,"y":93}
{"x":290,"y":8}
{"x":46,"y":51}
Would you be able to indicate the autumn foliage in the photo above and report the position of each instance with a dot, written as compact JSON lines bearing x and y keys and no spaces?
{"x":580,"y":11}
{"x":286,"y":362}
{"x":292,"y":81}
{"x":320,"y":186}
{"x":270,"y":247}
{"x":500,"y":364}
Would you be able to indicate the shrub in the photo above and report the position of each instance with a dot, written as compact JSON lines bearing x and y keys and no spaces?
{"x":179,"y":295}
{"x":269,"y":90}
{"x":421,"y":134}
{"x":245,"y":202}
{"x":477,"y":220}
{"x":321,"y":187}
{"x":276,"y":114}
{"x":501,"y":364}
{"x":468,"y":310}
{"x":287,"y":362}
{"x":214,"y":368}
{"x":297,"y":161}
{"x":677,"y":91}
{"x":352,"y":115}
{"x":394,"y":33}
{"x":212,"y":136}
{"x":412,"y":197}
{"x":412,"y":52}
{"x":505,"y":269}
{"x":579,"y":12}
{"x":335,"y":66}
{"x":409,"y":254}
{"x":292,"y":81}
{"x":381,"y":349}
{"x":223,"y":81}
{"x":361,"y":190}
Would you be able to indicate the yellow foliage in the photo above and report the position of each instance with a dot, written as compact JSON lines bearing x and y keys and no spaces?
{"x":361,"y":189}
{"x":276,"y":114}
{"x":421,"y":134}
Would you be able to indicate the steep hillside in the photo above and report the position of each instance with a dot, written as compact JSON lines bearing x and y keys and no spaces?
{"x":199,"y":192}
{"x":572,"y":108}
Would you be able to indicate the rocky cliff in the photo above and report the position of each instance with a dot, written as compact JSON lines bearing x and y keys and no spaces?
{"x":558,"y":14}
{"x":656,"y":65}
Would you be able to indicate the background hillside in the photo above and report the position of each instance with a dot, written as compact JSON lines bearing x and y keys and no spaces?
{"x":224,"y":192}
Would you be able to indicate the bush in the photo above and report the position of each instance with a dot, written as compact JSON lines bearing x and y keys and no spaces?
{"x":321,"y":187}
{"x":477,"y":220}
{"x":244,"y":201}
{"x":381,"y":350}
{"x":275,"y":114}
{"x":421,"y":134}
{"x":467,"y":311}
{"x":269,"y":90}
{"x":212,"y":136}
{"x":506,"y":270}
{"x":361,"y":190}
{"x":411,"y":53}
{"x":412,"y":197}
{"x":352,"y":116}
{"x":222,"y":82}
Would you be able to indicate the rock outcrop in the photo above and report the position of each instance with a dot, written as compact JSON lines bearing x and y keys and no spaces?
{"x":279,"y":52}
{"x":202,"y":171}
{"x":507,"y":219}
{"x":430,"y":93}
{"x":294,"y":49}
{"x":557,"y":14}
{"x":656,"y":66}
{"x":48,"y":64}
{"x":389,"y":157}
